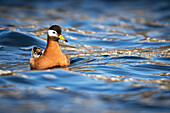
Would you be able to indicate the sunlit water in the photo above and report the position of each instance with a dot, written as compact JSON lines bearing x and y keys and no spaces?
{"x":119,"y":54}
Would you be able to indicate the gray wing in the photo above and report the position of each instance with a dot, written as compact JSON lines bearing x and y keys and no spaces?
{"x":37,"y":52}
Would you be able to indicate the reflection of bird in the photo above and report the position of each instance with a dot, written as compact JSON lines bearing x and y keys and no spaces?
{"x":52,"y":56}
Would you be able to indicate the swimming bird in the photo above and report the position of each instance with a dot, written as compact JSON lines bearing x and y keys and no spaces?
{"x":52,"y":56}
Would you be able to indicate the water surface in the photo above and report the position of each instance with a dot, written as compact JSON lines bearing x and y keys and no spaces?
{"x":119,"y":53}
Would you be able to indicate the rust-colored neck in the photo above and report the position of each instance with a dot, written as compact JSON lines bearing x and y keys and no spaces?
{"x":52,"y":48}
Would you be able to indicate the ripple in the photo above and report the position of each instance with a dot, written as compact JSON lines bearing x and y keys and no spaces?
{"x":49,"y":76}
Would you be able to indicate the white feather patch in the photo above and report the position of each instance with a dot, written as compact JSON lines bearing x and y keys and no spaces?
{"x":52,"y":33}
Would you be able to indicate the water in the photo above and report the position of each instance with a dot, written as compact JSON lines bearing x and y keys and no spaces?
{"x":119,"y":52}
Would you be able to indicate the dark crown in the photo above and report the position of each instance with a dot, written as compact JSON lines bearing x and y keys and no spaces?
{"x":56,"y":28}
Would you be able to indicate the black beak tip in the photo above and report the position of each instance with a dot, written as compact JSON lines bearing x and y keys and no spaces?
{"x":66,"y":41}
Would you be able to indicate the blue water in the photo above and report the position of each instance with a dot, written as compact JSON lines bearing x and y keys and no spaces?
{"x":119,"y":53}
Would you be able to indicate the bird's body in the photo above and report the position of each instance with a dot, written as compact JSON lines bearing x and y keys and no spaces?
{"x":52,"y":56}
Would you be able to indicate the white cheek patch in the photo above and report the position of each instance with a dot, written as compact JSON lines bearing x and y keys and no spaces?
{"x":52,"y":33}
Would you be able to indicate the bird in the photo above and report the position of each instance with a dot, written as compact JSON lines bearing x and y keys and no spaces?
{"x":52,"y":56}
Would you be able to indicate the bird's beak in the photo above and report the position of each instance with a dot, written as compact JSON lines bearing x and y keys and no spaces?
{"x":62,"y":38}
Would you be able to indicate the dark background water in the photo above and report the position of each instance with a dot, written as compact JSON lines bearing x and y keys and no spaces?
{"x":119,"y":52}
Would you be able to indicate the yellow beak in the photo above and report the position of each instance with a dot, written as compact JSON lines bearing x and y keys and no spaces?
{"x":61,"y":37}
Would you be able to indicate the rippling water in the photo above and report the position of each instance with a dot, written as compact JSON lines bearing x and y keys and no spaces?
{"x":119,"y":52}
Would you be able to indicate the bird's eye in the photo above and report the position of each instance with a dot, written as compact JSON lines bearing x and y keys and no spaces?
{"x":54,"y":32}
